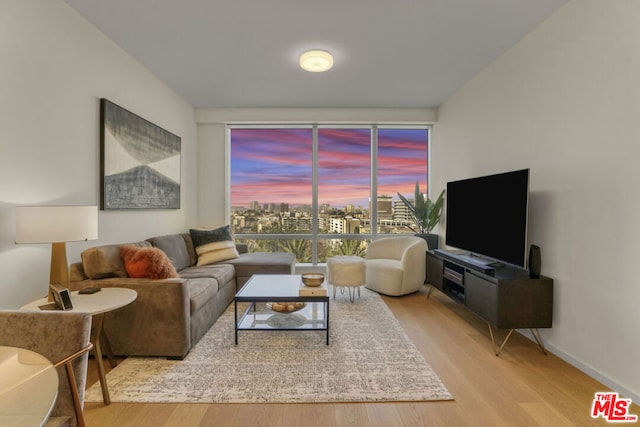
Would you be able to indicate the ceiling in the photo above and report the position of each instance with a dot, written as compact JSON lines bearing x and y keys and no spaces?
{"x":244,"y":53}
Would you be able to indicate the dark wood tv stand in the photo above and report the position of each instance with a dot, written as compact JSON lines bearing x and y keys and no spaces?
{"x":502,"y":295}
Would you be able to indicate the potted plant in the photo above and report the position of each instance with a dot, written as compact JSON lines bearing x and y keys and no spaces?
{"x":426,"y":215}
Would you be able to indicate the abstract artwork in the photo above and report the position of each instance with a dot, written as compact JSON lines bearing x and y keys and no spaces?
{"x":140,"y":162}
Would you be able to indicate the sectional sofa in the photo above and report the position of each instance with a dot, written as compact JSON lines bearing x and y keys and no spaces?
{"x":170,"y":315}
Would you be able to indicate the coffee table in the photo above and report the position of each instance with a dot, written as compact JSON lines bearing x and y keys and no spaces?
{"x":271,"y":288}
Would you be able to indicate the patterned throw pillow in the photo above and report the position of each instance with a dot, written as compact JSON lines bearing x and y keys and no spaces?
{"x":147,"y":263}
{"x":214,"y":245}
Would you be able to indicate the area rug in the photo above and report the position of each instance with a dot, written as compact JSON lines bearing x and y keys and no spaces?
{"x":370,"y":358}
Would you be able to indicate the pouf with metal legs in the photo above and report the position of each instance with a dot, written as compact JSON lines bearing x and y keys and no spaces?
{"x":346,"y":272}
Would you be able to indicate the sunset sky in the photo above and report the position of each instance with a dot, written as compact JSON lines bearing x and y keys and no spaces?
{"x":274,"y":165}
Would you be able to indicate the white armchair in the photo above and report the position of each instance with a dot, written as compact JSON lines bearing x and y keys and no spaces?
{"x":396,"y":265}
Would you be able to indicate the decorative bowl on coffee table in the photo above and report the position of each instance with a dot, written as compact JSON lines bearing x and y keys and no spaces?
{"x":286,"y":307}
{"x":313,"y":279}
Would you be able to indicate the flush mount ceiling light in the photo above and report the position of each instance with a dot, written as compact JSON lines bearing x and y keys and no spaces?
{"x":316,"y":61}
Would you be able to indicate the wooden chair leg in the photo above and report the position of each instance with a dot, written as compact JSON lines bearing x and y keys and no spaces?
{"x":68,"y":365}
{"x":74,"y":392}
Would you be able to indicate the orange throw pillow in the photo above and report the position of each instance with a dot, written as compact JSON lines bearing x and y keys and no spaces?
{"x":147,"y":263}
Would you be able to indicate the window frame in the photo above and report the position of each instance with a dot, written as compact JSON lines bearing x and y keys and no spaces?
{"x":315,"y":236}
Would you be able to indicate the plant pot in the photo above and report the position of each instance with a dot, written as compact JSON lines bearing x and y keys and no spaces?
{"x":432,"y":240}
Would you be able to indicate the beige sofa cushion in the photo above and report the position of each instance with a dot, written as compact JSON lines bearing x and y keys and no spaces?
{"x":101,"y":262}
{"x":214,"y":245}
{"x":213,"y":252}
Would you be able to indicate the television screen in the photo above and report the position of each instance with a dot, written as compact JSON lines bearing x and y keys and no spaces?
{"x":488,"y":216}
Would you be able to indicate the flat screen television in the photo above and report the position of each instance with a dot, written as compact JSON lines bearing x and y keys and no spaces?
{"x":487,"y":216}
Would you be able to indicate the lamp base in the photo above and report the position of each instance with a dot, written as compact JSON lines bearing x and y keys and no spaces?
{"x":59,"y":273}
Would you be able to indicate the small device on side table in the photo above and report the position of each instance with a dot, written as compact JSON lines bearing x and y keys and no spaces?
{"x":61,"y":297}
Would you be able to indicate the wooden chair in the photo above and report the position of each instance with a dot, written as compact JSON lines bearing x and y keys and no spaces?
{"x":64,"y":339}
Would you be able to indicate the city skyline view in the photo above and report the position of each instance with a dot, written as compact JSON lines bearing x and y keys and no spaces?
{"x":274,"y":165}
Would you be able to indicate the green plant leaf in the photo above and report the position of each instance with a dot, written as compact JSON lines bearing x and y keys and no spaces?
{"x":425,"y":213}
{"x":435,"y":212}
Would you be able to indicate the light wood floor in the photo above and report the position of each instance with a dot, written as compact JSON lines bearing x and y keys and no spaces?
{"x":521,"y":387}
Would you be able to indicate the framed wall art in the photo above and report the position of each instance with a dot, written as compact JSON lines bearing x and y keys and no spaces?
{"x":139,"y":162}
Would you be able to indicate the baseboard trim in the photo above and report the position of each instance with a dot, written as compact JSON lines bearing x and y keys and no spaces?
{"x":589,"y":370}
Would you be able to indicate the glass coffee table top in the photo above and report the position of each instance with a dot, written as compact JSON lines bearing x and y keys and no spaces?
{"x":271,"y":286}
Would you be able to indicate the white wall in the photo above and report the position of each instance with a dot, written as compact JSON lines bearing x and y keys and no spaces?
{"x":54,"y":68}
{"x":212,"y":175}
{"x":565,"y":102}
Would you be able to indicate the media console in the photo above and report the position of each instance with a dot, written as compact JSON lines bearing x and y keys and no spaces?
{"x":502,"y":295}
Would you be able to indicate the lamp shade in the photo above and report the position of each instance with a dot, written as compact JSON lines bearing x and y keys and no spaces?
{"x":50,"y":224}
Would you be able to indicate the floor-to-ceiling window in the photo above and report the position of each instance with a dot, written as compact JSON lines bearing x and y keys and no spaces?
{"x":323,"y":190}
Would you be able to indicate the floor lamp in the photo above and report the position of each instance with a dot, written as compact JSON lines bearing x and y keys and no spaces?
{"x":56,"y":225}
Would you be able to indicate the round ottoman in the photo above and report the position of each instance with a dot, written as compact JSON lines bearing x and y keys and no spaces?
{"x":346,"y":272}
